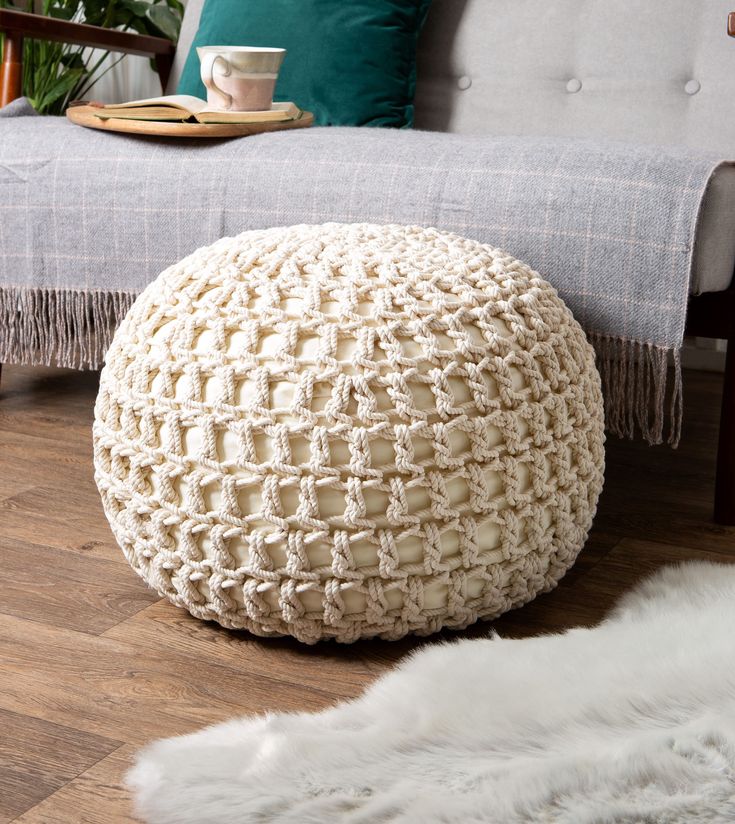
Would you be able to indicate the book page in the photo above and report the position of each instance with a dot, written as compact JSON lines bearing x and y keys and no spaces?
{"x":186,"y":102}
{"x":277,"y":111}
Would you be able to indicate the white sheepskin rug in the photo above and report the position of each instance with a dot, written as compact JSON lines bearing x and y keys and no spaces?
{"x":630,"y":721}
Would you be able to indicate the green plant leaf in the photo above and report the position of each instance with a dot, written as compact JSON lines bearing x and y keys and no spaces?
{"x":62,"y":12}
{"x":166,"y":21}
{"x":96,"y":11}
{"x":62,"y":86}
{"x":138,"y":8}
{"x":72,"y":60}
{"x":176,"y":5}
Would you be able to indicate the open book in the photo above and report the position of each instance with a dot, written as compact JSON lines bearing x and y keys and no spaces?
{"x":184,"y":107}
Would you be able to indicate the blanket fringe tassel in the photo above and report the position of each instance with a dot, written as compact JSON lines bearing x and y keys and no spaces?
{"x":74,"y":328}
{"x":642,"y":387}
{"x":59,"y":327}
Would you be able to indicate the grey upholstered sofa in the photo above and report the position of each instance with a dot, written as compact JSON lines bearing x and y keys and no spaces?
{"x":659,"y":73}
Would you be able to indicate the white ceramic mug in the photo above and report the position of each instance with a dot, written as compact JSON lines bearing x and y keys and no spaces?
{"x":240,"y":78}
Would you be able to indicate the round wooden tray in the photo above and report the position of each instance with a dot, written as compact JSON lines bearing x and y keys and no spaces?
{"x":85,"y":116}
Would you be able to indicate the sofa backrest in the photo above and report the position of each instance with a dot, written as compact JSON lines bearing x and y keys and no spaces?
{"x":658,"y":71}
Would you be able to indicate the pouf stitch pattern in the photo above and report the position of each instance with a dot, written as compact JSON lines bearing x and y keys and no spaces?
{"x":349,"y":430}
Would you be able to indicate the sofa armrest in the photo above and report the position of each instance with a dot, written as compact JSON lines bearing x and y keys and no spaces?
{"x":16,"y":25}
{"x":40,"y":27}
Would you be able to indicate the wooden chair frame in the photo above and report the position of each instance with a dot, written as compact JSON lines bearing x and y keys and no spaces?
{"x":17,"y":25}
{"x":710,"y":315}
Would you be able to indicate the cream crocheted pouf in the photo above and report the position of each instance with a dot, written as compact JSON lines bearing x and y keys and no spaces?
{"x":343,"y":431}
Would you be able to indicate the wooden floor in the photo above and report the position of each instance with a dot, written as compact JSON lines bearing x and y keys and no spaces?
{"x":93,"y":664}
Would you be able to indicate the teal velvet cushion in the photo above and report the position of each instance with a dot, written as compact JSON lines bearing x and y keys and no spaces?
{"x":350,"y":62}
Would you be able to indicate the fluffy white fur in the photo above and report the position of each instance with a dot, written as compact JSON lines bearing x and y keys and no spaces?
{"x":630,"y":721}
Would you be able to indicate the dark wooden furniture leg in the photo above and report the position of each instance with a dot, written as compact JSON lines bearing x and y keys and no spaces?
{"x":11,"y":70}
{"x":725,"y":478}
{"x":712,"y":315}
{"x":164,"y":63}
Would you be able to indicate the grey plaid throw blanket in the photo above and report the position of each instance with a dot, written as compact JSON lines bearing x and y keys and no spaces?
{"x":89,"y":218}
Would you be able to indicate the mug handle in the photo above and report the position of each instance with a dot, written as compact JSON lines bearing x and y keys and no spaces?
{"x":208,"y":64}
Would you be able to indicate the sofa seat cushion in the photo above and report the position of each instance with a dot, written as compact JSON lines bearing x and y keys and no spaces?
{"x":77,"y":204}
{"x":714,"y":248}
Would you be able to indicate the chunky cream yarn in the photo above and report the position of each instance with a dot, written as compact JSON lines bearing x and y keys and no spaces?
{"x":343,"y":431}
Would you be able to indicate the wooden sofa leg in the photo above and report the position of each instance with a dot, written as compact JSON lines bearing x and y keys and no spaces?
{"x":11,"y":69}
{"x":725,"y":478}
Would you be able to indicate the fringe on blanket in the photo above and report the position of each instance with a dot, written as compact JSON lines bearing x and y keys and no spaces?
{"x":642,"y":388}
{"x":59,"y":327}
{"x":74,"y":328}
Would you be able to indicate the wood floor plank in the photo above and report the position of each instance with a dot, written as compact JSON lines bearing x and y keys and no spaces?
{"x":164,"y":626}
{"x":43,"y":391}
{"x":38,"y":427}
{"x":33,"y":527}
{"x":115,"y":689}
{"x":12,"y":485}
{"x":37,"y":758}
{"x":23,"y":471}
{"x":69,"y":518}
{"x":38,"y":455}
{"x":66,"y":589}
{"x":97,"y":796}
{"x":684,"y":523}
{"x":35,"y":423}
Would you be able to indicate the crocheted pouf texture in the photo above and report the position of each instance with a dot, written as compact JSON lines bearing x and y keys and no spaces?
{"x":349,"y":430}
